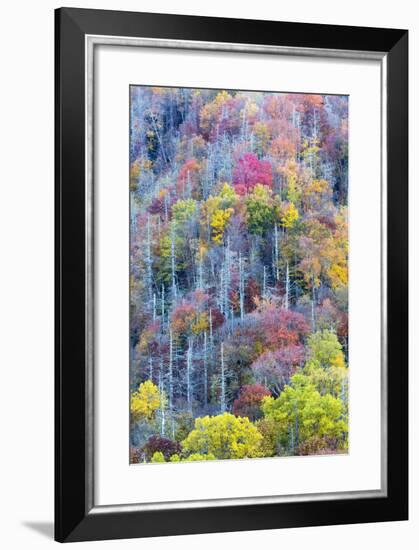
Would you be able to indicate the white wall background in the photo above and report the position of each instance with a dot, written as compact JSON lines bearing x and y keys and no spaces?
{"x":26,"y":270}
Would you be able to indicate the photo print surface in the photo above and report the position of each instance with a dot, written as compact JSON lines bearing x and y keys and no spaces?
{"x":238,"y":274}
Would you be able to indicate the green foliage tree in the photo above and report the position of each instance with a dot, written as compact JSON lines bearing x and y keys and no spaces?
{"x":183,"y":211}
{"x":260,"y":210}
{"x":158,"y":456}
{"x":195,"y":457}
{"x":301,"y":413}
{"x":333,"y":380}
{"x":326,"y":349}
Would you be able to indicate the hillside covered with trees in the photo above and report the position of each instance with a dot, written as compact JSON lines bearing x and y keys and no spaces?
{"x":238,"y":274}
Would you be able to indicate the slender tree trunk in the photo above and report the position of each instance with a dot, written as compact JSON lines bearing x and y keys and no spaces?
{"x":171,"y":373}
{"x":221,"y":291}
{"x":200,"y":284}
{"x":162,"y":411}
{"x":276,"y":253}
{"x":189,"y":374}
{"x":162,"y":304}
{"x":313,"y":312}
{"x":150,"y":368}
{"x":241,"y":287}
{"x":223,"y":383}
{"x":154,"y":306}
{"x":287,"y":285}
{"x":205,"y":369}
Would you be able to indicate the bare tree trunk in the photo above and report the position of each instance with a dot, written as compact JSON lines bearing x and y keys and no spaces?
{"x":287,"y":285}
{"x":200,"y":284}
{"x":241,"y":287}
{"x":171,"y":373}
{"x":154,"y":306}
{"x":223,"y":384}
{"x":292,"y":445}
{"x":162,"y":411}
{"x":205,"y":369}
{"x":150,"y":368}
{"x":313,"y":313}
{"x":221,"y":291}
{"x":276,"y":253}
{"x":162,"y":304}
{"x":227,"y":277}
{"x":189,"y":374}
{"x":211,"y":331}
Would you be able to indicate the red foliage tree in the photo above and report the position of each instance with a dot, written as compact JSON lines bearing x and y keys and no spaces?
{"x":250,"y":171}
{"x":157,"y":206}
{"x":252,"y":291}
{"x":156,"y":444}
{"x":249,"y":400}
{"x":275,"y":368}
{"x":188,"y":178}
{"x":279,"y":327}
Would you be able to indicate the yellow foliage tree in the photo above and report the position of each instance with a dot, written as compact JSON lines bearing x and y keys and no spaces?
{"x":201,"y":323}
{"x":158,"y":456}
{"x":336,"y":249}
{"x":210,"y":111}
{"x":218,"y":223}
{"x":146,"y":401}
{"x":228,"y":196}
{"x":290,"y":216}
{"x":224,"y":436}
{"x":215,"y":213}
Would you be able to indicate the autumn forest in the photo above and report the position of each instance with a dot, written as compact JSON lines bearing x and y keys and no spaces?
{"x":238,"y":274}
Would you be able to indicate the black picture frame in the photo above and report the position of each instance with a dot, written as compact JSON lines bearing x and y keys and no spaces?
{"x":75,"y":520}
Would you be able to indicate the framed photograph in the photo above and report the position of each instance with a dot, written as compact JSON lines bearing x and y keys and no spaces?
{"x":231,"y":275}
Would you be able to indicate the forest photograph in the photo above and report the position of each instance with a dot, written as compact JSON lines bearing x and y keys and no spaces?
{"x":238,"y":274}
